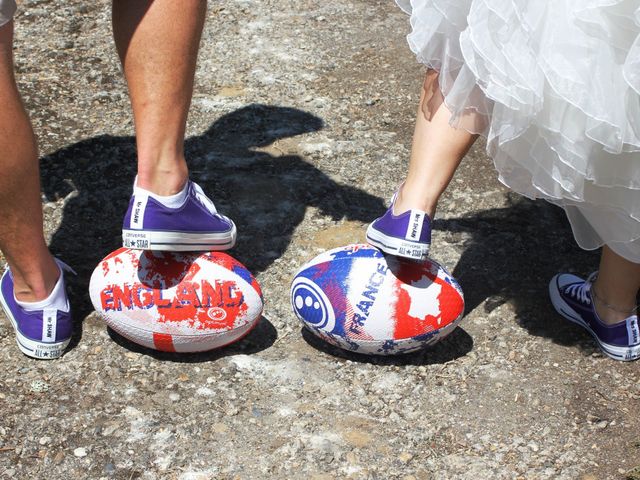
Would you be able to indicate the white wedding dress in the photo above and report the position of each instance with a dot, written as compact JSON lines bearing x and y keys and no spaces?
{"x":557,"y":83}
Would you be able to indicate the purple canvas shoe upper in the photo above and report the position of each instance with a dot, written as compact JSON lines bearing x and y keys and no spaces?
{"x":410,"y":225}
{"x":578,"y":296}
{"x":407,"y":235}
{"x":48,"y":326}
{"x":196,"y":215}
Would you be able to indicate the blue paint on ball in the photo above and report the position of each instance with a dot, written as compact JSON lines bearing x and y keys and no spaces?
{"x":319,"y":299}
{"x":243,"y":273}
{"x":309,"y":305}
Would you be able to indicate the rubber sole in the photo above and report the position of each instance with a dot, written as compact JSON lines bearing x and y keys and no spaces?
{"x":33,"y":348}
{"x":625,"y":354}
{"x":396,"y":246}
{"x":178,"y":241}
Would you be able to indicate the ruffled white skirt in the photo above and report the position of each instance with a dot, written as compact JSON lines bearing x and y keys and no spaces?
{"x":554,"y":85}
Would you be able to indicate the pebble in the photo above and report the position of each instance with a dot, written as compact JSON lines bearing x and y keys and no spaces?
{"x":405,"y":457}
{"x":39,"y":386}
{"x":80,"y":452}
{"x":357,"y":438}
{"x":232,"y":411}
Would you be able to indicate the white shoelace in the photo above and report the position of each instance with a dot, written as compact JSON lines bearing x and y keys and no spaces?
{"x":585,"y":293}
{"x":203,"y":199}
{"x":580,"y":291}
{"x":63,"y":266}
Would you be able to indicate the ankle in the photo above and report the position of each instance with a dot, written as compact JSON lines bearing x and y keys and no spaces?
{"x":608,"y":316}
{"x":413,"y":199}
{"x":163,"y":181}
{"x":38,"y":285}
{"x":612,"y":307}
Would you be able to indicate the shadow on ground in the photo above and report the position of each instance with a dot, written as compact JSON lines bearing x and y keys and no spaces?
{"x":266,"y":195}
{"x":260,"y":338}
{"x":511,"y":255}
{"x":456,"y":345}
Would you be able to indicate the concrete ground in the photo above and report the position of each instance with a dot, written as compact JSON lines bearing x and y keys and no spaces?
{"x":300,"y":129}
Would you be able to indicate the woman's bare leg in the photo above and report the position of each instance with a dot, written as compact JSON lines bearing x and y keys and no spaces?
{"x":436,"y":152}
{"x":617,"y":285}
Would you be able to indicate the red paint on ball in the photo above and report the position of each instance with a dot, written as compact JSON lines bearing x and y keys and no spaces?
{"x":223,"y":294}
{"x":161,"y":270}
{"x":408,"y":326}
{"x":174,"y":297}
{"x":163,"y":342}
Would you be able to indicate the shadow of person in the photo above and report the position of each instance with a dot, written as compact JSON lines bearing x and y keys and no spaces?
{"x":266,"y":195}
{"x":510,"y":256}
{"x":454,"y":346}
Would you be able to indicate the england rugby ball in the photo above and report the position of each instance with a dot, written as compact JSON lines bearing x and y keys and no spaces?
{"x":358,"y":299}
{"x":176,"y":302}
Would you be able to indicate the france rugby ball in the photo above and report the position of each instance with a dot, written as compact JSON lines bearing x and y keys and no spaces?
{"x":176,"y":302}
{"x":358,"y":299}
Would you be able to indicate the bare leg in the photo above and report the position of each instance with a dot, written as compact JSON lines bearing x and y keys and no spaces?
{"x":437,"y":150}
{"x":617,"y":284}
{"x":21,"y":233}
{"x":157,"y":42}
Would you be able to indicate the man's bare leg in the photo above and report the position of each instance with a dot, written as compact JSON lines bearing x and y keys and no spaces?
{"x":21,"y":233}
{"x":157,"y":41}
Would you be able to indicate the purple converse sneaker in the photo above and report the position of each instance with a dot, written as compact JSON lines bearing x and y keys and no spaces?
{"x":44,"y":333}
{"x":571,"y":296}
{"x":406,"y":235}
{"x":194,"y":226}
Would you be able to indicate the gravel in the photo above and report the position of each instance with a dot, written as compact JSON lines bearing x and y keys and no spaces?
{"x":300,"y":129}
